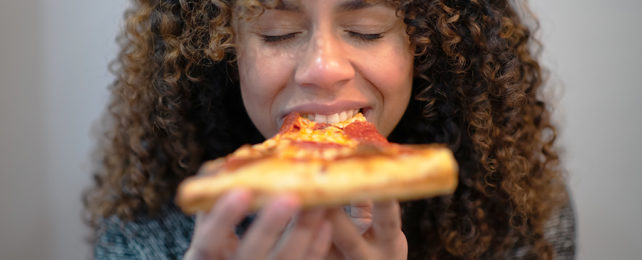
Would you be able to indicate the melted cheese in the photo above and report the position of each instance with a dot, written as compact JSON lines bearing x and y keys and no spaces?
{"x":333,"y":133}
{"x":283,"y":145}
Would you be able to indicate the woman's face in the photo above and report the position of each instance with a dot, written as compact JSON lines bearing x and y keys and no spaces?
{"x":325,"y":59}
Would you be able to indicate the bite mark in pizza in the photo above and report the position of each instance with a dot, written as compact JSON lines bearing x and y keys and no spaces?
{"x":324,"y":164}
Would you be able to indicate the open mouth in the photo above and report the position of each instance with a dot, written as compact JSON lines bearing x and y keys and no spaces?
{"x":332,"y":118}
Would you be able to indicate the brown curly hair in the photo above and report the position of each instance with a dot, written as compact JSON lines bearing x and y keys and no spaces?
{"x":176,"y":103}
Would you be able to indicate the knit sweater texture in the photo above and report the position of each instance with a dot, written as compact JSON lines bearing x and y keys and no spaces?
{"x":168,"y":235}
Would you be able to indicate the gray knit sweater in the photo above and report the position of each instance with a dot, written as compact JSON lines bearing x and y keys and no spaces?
{"x":168,"y":236}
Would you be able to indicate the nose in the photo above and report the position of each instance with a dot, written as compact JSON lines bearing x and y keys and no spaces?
{"x":324,"y":63}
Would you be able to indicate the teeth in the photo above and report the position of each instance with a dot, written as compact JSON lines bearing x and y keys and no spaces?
{"x":332,"y":119}
{"x":309,"y":116}
{"x":321,"y":118}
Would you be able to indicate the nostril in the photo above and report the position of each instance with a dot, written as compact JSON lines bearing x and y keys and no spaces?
{"x":324,"y":75}
{"x":324,"y":67}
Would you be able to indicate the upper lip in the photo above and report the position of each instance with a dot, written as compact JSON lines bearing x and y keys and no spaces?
{"x":325,"y":108}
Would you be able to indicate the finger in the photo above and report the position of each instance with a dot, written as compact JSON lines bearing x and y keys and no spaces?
{"x":334,"y":253}
{"x":386,"y":223}
{"x":346,"y":237}
{"x":214,"y":232}
{"x":361,"y":209}
{"x":296,"y":242}
{"x":266,"y":230}
{"x":321,"y":244}
{"x":361,"y":215}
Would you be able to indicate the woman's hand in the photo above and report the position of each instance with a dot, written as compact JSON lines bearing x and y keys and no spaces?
{"x":354,"y":238}
{"x":360,"y":214}
{"x":214,"y":237}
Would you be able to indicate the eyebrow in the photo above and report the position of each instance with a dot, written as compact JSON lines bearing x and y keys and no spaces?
{"x":355,"y":5}
{"x":352,"y":5}
{"x":286,"y":5}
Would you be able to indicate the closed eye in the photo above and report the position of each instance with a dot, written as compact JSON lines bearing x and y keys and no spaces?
{"x":366,"y":37}
{"x":279,"y":38}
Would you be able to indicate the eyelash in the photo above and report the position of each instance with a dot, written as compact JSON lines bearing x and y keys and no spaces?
{"x":279,"y":38}
{"x":369,"y":37}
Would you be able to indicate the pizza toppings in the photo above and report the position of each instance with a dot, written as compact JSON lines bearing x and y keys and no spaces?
{"x":364,"y":132}
{"x":301,"y":139}
{"x":325,"y":164}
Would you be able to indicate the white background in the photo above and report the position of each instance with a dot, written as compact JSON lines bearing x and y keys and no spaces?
{"x":53,"y":77}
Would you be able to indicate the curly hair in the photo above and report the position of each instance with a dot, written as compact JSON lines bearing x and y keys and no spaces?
{"x":176,"y":103}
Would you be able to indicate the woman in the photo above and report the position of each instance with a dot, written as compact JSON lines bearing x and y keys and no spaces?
{"x":197,"y":79}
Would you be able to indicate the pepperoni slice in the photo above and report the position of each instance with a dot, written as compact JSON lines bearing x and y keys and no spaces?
{"x":290,"y":123}
{"x":364,"y":132}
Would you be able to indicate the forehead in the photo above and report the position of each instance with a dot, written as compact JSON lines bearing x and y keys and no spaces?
{"x":296,"y":5}
{"x":341,"y":4}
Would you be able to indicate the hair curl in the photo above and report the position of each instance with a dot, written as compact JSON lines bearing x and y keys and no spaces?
{"x":176,"y":103}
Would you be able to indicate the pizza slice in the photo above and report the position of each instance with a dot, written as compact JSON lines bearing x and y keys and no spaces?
{"x":324,"y":164}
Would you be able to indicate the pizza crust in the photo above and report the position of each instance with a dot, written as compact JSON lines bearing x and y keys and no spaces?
{"x":418,"y":172}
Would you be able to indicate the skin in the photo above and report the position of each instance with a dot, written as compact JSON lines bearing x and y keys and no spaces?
{"x":318,"y":57}
{"x":315,"y":57}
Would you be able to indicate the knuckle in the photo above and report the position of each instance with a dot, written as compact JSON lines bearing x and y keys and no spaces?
{"x":351,"y":247}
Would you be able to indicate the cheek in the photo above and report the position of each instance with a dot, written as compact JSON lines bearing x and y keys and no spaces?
{"x":250,"y":86}
{"x":261,"y":82}
{"x":398,"y":77}
{"x":262,"y":72}
{"x":390,"y":65}
{"x":396,"y":88}
{"x":255,"y":94}
{"x":392,"y":73}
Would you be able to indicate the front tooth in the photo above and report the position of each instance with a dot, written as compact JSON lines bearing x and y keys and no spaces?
{"x":343,"y":116}
{"x":350,"y":114}
{"x":320,"y":118}
{"x":334,"y":118}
